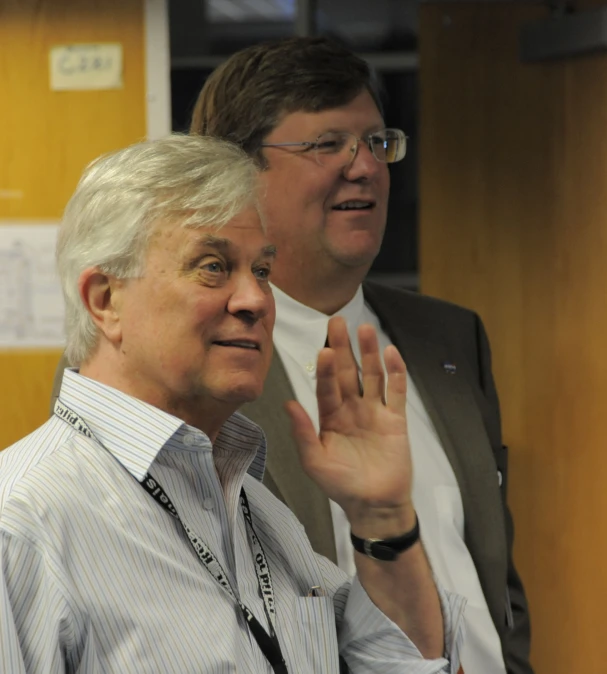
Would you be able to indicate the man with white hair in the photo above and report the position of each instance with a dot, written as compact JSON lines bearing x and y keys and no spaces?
{"x":135,"y":532}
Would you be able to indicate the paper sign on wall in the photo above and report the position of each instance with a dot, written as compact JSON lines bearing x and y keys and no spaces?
{"x":79,"y":67}
{"x":31,"y":301}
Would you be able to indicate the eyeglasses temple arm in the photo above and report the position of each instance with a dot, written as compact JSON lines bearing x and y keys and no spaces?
{"x":306,"y":144}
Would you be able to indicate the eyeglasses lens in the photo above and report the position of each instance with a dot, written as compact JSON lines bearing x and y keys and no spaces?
{"x":334,"y":148}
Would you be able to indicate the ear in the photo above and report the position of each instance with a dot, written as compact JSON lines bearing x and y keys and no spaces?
{"x":100,"y":294}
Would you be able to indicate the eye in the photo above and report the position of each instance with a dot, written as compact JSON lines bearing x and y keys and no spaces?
{"x":213,"y":267}
{"x":327,"y":145}
{"x":330,"y":143}
{"x":378,"y":141}
{"x":262,"y":273}
{"x":213,"y":271}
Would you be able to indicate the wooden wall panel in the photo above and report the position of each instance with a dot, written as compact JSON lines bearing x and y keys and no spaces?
{"x":47,"y":138}
{"x":513,"y":169}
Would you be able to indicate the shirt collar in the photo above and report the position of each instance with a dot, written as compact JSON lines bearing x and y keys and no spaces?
{"x":303,"y":330}
{"x":354,"y":312}
{"x":135,"y":431}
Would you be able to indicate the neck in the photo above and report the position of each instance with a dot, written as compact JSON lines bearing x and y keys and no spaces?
{"x":327,"y":293}
{"x":207,"y":415}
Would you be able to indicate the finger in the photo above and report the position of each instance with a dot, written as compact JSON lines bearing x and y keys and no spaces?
{"x":303,"y":432}
{"x":372,"y":367}
{"x":346,"y":367}
{"x":396,"y":390}
{"x":328,"y":391}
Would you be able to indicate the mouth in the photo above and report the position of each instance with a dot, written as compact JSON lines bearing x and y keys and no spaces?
{"x":248,"y":344}
{"x":354,"y":205}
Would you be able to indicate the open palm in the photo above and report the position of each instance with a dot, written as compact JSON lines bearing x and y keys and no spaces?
{"x":360,"y":458}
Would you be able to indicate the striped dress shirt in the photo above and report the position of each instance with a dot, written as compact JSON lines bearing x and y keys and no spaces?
{"x":97,"y":578}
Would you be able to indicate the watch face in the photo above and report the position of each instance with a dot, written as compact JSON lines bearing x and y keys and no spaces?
{"x":388,"y":549}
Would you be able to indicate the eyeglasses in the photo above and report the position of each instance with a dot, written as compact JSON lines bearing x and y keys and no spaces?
{"x":338,"y":148}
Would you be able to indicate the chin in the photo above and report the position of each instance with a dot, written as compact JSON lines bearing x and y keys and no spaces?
{"x":358,"y":259}
{"x":237,"y":387}
{"x":244,"y":393}
{"x":358,"y":251}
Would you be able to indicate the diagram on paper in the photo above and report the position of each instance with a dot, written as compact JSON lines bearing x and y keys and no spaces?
{"x":31,"y":302}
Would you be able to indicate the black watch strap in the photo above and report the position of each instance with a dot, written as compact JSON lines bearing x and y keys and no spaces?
{"x":387,"y":549}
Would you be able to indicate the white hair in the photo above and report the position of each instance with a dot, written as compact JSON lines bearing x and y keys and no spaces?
{"x":194,"y":180}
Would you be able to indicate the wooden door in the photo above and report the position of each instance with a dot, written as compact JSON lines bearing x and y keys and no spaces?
{"x":513,"y":174}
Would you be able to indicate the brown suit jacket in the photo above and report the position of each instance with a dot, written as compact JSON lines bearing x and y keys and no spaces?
{"x":465,"y":411}
{"x":464,"y":408}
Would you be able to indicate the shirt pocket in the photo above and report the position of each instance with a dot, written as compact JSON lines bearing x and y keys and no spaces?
{"x":318,"y":633}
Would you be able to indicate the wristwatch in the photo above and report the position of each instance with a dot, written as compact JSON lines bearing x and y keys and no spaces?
{"x":386,"y":549}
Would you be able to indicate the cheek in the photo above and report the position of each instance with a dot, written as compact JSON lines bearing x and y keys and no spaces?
{"x":270,"y":317}
{"x":304,"y":189}
{"x":320,"y":191}
{"x":182,"y":314}
{"x":384,"y":181}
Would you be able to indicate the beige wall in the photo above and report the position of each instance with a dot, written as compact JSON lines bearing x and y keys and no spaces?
{"x":46,"y":139}
{"x":513,"y":166}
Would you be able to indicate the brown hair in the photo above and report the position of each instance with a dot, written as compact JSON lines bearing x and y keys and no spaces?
{"x":246,"y":97}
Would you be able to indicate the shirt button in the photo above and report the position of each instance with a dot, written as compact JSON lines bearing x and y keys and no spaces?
{"x":310,"y":367}
{"x":207,"y":503}
{"x":193,"y":440}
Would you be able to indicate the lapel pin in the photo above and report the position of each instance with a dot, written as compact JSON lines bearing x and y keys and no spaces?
{"x":449,"y":367}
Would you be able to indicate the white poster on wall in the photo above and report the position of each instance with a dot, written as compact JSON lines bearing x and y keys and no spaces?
{"x":31,"y":302}
{"x":82,"y":67}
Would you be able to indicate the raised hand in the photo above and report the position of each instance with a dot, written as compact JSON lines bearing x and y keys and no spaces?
{"x":360,"y":458}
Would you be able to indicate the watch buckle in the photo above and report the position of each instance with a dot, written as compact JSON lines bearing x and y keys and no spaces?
{"x":367,"y":544}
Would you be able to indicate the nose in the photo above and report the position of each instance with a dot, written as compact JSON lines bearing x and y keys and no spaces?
{"x":250,"y":299}
{"x":364,"y":165}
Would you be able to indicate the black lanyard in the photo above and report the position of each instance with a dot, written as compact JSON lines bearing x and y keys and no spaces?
{"x":268,"y":643}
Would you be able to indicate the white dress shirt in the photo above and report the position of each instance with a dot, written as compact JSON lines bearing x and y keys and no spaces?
{"x":96,"y":578}
{"x":299,"y":334}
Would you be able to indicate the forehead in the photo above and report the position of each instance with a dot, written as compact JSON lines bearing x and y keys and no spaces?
{"x":359,"y":115}
{"x":243,"y":233}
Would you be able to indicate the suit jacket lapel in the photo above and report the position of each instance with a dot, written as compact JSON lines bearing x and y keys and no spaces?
{"x":450,"y":403}
{"x":458,"y":422}
{"x":284,"y":475}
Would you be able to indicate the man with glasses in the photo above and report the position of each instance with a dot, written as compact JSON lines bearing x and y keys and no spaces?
{"x":308,"y":111}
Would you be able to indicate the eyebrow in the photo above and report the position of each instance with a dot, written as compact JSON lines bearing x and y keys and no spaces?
{"x":374,"y":128}
{"x":223,"y":246}
{"x":269,"y":251}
